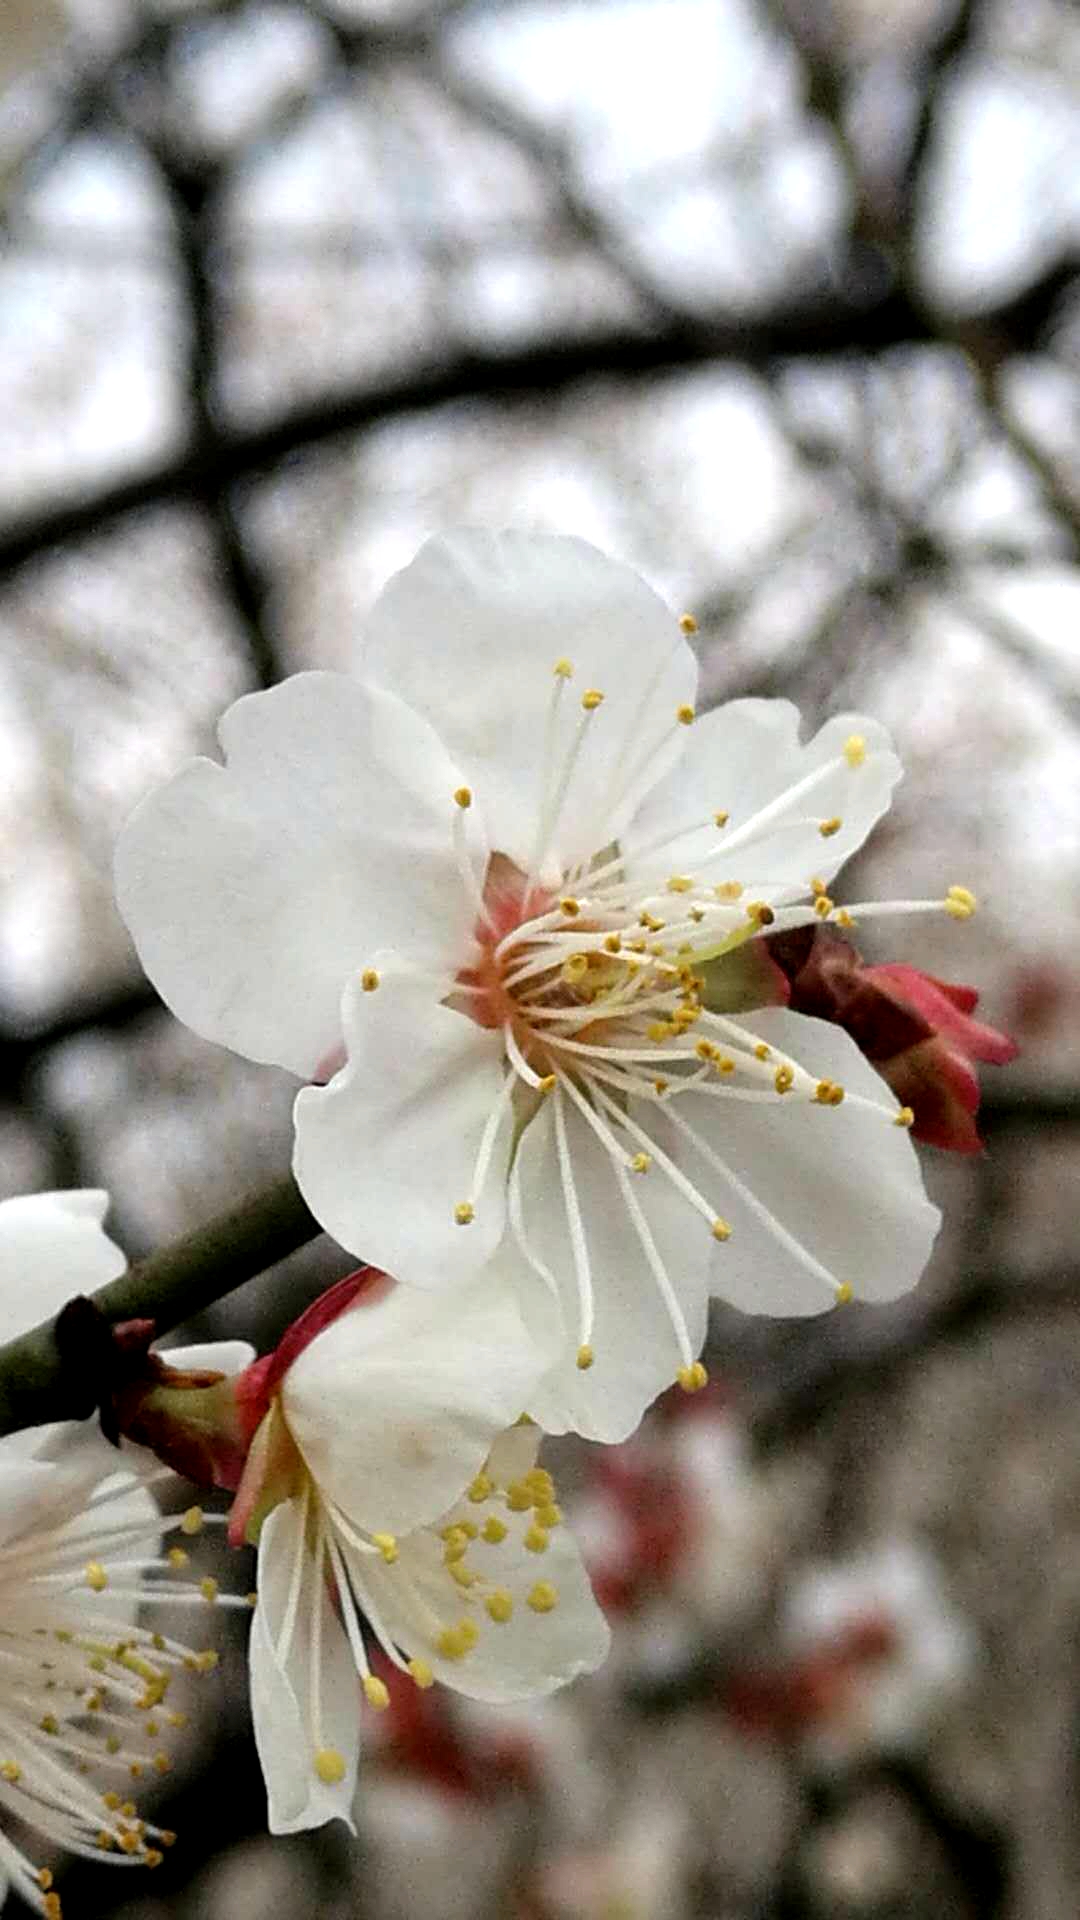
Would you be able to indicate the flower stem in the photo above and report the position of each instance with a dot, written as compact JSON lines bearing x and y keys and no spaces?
{"x":37,"y":1383}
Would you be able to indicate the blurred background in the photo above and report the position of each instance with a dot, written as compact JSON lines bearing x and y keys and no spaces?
{"x":780,"y":301}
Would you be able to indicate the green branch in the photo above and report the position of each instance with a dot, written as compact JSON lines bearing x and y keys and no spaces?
{"x":39,"y":1383}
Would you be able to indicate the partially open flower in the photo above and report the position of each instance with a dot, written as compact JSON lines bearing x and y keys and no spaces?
{"x":918,"y":1031}
{"x":474,"y":893}
{"x":397,"y":1508}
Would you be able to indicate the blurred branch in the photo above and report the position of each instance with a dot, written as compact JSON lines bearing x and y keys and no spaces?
{"x":37,"y":1384}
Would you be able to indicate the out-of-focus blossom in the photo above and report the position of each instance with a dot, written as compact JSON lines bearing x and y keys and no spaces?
{"x":918,"y":1031}
{"x":386,"y":1486}
{"x":876,"y":1651}
{"x":638,"y":1873}
{"x":472,"y":892}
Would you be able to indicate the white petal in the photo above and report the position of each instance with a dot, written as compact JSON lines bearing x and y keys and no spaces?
{"x":469,"y":635}
{"x":386,"y":1152}
{"x":844,"y":1182}
{"x":212,"y":1356}
{"x":253,"y":890}
{"x":281,"y":1705}
{"x":517,"y":1659}
{"x":633,"y":1340}
{"x":52,"y":1246}
{"x":394,"y":1406}
{"x":741,"y":758}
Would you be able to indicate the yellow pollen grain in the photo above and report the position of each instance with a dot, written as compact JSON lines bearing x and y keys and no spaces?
{"x":845,"y":919}
{"x":451,"y":1644}
{"x":685,"y":716}
{"x":585,"y":1358}
{"x":721,"y":817}
{"x":563,"y":669}
{"x":960,"y":903}
{"x":494,"y":1530}
{"x":729,"y":890}
{"x":762,"y":1052}
{"x":548,"y":1084}
{"x":519,"y":1497}
{"x":725,"y":1064}
{"x":464,"y":1213}
{"x":540,"y":1484}
{"x":330,"y":1766}
{"x":543,"y":1598}
{"x":461,"y":1575}
{"x":904,"y":1118}
{"x":536,"y":1539}
{"x":11,"y":1771}
{"x":152,"y":1858}
{"x":51,"y":1906}
{"x":784,"y":1078}
{"x":827,"y":828}
{"x":456,"y":1544}
{"x":569,"y":906}
{"x":376,"y":1692}
{"x":660,"y":1085}
{"x":721,"y":1229}
{"x":177,"y":1557}
{"x":823,"y":906}
{"x":844,"y":1293}
{"x":191,"y":1522}
{"x":641,"y":1163}
{"x":96,"y":1576}
{"x":660,"y":1030}
{"x":481,"y":1488}
{"x":208,"y":1587}
{"x":680,"y":883}
{"x":613,"y":943}
{"x":760,"y":911}
{"x":855,"y":750}
{"x":591,"y":699}
{"x":463,"y":797}
{"x":387,"y":1546}
{"x":687,"y":623}
{"x":691,"y":1379}
{"x":548,"y":1516}
{"x":421,"y":1673}
{"x":499,"y":1605}
{"x":369,"y":979}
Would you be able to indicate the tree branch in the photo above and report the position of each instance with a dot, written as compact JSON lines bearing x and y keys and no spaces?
{"x":36,"y":1385}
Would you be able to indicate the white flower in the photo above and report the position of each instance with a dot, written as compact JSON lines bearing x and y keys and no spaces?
{"x":396,"y":1502}
{"x":490,"y":872}
{"x":83,"y":1709}
{"x":919,"y":1655}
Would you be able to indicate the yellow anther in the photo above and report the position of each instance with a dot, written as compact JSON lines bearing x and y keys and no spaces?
{"x":660,"y":1085}
{"x":166,"y":1837}
{"x":691,"y":1379}
{"x":548,"y":1084}
{"x":548,"y":1516}
{"x":208,"y":1587}
{"x":660,"y":1030}
{"x":540,"y":1484}
{"x":104,"y":1840}
{"x":784,"y":1078}
{"x":721,"y":1229}
{"x":591,"y":699}
{"x":729,"y":890}
{"x":461,"y":1575}
{"x":960,"y":902}
{"x":563,"y":669}
{"x":452,"y":1644}
{"x":464,"y":1213}
{"x":816,"y":884}
{"x":376,"y":1692}
{"x":687,"y":623}
{"x":112,"y":1744}
{"x":11,"y":1771}
{"x":575,"y":968}
{"x":823,"y":1093}
{"x":762,"y":1052}
{"x":96,"y":1576}
{"x":44,"y":1878}
{"x":499,"y":1605}
{"x":176,"y":1719}
{"x":129,"y":1843}
{"x":641,"y":1163}
{"x":613,"y":943}
{"x":457,"y":1544}
{"x":543,"y":1598}
{"x":697,"y":915}
{"x":49,"y":1723}
{"x":680,"y":883}
{"x":519,"y":1497}
{"x":177,"y":1557}
{"x":387,"y":1546}
{"x":421,"y":1673}
{"x":569,"y":906}
{"x":481,"y":1488}
{"x":904,"y":1118}
{"x":827,"y":828}
{"x":191,"y":1522}
{"x":725,"y":1064}
{"x":51,"y":1906}
{"x":470,"y":1633}
{"x":585,"y":1358}
{"x":128,"y":1809}
{"x":761,"y":912}
{"x":705,"y":1050}
{"x":494,"y":1530}
{"x":162,"y":1763}
{"x":721,"y":817}
{"x":152,"y":1857}
{"x":330,"y":1766}
{"x":823,"y":906}
{"x":844,"y":1292}
{"x":536,"y":1539}
{"x":685,"y":716}
{"x":463,"y":796}
{"x":205,"y":1662}
{"x":844,"y":919}
{"x":855,"y":750}
{"x":649,"y":921}
{"x":369,"y":979}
